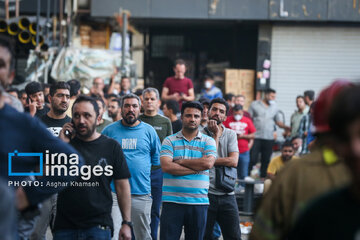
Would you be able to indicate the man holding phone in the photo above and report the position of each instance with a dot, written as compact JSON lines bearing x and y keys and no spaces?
{"x":37,"y":106}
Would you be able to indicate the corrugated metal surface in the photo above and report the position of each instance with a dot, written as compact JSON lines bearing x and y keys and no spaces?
{"x":310,"y":58}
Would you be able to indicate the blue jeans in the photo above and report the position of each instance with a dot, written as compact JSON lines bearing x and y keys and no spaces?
{"x":174,"y":216}
{"x":243,"y":165}
{"x":156,"y":193}
{"x":94,"y":233}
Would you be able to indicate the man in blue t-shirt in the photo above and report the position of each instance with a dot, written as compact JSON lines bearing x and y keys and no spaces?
{"x":141,"y":147}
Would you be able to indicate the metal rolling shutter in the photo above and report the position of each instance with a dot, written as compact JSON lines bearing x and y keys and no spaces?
{"x":310,"y":58}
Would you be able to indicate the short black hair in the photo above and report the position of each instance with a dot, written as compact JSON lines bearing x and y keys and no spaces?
{"x":287,"y":144}
{"x":208,"y":76}
{"x":21,"y":92}
{"x":74,"y":87}
{"x":221,"y":101}
{"x":270,"y":90}
{"x":101,"y":100}
{"x":139,"y":92}
{"x":111,"y":95}
{"x":344,"y":111}
{"x":191,"y":104}
{"x":300,"y":96}
{"x":295,"y":137}
{"x":237,"y":107}
{"x":8,"y":44}
{"x":118,"y":100}
{"x":204,"y":100}
{"x":58,"y":85}
{"x":13,"y":90}
{"x":173,"y":105}
{"x":84,"y":98}
{"x":310,"y":94}
{"x":33,"y":87}
{"x":179,"y":62}
{"x":228,"y":96}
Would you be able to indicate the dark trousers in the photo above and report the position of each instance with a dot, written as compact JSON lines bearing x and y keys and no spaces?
{"x":175,"y":216}
{"x":224,"y":210}
{"x":156,"y":193}
{"x":263,"y":147}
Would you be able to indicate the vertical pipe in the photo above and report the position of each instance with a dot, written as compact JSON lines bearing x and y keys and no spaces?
{"x":123,"y":41}
{"x":7,"y":10}
{"x":54,"y":22}
{"x":37,"y":22}
{"x":17,"y":7}
{"x":47,"y":25}
{"x":68,"y":21}
{"x":61,"y":13}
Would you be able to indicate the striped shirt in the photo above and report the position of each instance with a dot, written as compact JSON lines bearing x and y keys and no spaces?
{"x":189,"y":189}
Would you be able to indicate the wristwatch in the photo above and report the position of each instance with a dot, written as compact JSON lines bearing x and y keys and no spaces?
{"x":127,"y":223}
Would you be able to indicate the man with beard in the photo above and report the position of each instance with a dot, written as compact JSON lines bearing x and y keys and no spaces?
{"x":37,"y":106}
{"x":59,"y":98}
{"x":277,"y":163}
{"x":141,"y":147}
{"x":114,"y":109}
{"x":162,"y":126}
{"x":223,"y":207}
{"x":83,"y":211}
{"x":186,"y":158}
{"x":55,"y":119}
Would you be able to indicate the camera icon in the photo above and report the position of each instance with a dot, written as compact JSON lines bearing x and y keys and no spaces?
{"x":17,"y":154}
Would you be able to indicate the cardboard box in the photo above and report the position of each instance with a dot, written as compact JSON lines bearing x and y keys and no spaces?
{"x":240,"y":81}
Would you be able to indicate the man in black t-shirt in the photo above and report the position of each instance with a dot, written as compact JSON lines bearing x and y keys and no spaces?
{"x":59,"y":99}
{"x":171,"y":109}
{"x":37,"y":106}
{"x":84,"y":209}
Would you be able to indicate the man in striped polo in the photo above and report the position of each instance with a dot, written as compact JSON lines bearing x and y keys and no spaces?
{"x":186,"y":158}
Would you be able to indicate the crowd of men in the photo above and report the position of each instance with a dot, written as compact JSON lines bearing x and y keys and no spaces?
{"x":170,"y":161}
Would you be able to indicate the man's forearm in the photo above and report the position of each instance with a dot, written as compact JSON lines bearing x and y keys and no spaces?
{"x":177,"y":169}
{"x":124,"y":200}
{"x":198,"y":164}
{"x":228,"y":162}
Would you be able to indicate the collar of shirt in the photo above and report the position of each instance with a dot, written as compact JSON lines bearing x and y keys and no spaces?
{"x":181,"y":135}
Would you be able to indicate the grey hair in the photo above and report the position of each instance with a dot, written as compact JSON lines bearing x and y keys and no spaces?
{"x":149,"y":90}
{"x":127,"y":96}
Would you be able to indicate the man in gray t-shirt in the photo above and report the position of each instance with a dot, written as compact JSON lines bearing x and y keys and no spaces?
{"x":223,"y":207}
{"x":265,"y":115}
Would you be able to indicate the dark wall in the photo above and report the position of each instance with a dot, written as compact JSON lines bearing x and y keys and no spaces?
{"x":297,"y":10}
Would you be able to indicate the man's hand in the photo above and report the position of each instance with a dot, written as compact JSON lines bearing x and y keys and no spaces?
{"x":22,"y":201}
{"x":32,"y":107}
{"x":125,"y":232}
{"x":67,"y":128}
{"x":213,"y":127}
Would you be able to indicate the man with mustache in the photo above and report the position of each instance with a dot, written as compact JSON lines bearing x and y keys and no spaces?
{"x":141,"y":147}
{"x":59,"y":98}
{"x":186,"y":158}
{"x":223,"y":208}
{"x":83,"y":211}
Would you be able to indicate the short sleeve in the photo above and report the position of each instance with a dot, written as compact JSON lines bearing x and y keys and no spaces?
{"x":167,"y":149}
{"x":251,"y":110}
{"x":166,"y":83}
{"x":272,"y":167}
{"x":210,"y":147}
{"x":252,"y":128}
{"x":121,"y":170}
{"x":232,"y":144}
{"x":190,"y":84}
{"x":277,"y":117}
